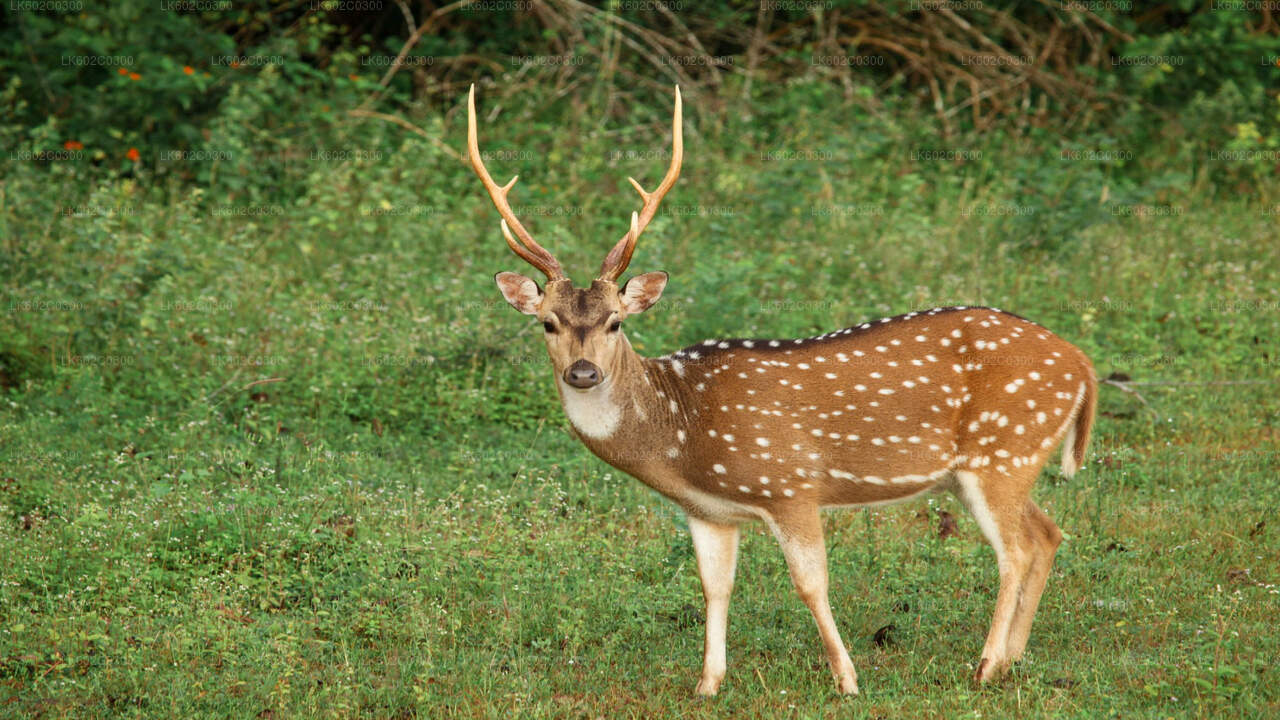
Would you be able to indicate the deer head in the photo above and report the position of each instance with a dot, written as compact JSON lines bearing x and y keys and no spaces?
{"x":582,"y":326}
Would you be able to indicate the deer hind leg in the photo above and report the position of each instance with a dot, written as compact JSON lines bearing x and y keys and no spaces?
{"x":716,"y":547}
{"x":1001,"y":520}
{"x":800,"y":535}
{"x":1041,"y":538}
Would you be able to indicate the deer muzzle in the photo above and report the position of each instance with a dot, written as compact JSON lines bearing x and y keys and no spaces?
{"x":582,"y":375}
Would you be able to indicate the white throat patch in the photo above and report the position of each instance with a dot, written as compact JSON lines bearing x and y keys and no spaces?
{"x":592,"y":412}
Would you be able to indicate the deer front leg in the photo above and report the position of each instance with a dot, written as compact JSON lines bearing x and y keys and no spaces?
{"x":800,"y":534}
{"x":716,"y":547}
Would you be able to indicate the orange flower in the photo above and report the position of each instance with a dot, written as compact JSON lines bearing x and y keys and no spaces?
{"x":122,"y":71}
{"x":133,"y":154}
{"x":354,"y":77}
{"x":135,"y":76}
{"x":235,"y":64}
{"x":73,"y":145}
{"x":188,"y":69}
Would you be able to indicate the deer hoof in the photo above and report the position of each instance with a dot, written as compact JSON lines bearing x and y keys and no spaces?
{"x":989,"y":670}
{"x":707,"y":687}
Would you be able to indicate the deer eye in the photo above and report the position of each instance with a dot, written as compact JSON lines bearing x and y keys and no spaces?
{"x":546,"y":325}
{"x":615,"y":326}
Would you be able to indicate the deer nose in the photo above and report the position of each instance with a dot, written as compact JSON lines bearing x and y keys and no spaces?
{"x":582,"y":375}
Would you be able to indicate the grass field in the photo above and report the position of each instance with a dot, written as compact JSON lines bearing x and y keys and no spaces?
{"x":303,"y":461}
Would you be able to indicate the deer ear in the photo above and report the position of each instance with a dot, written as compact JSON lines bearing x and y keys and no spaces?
{"x":523,"y":293}
{"x":642,"y":291}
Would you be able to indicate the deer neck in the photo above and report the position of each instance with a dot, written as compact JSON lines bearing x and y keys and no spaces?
{"x":619,"y":419}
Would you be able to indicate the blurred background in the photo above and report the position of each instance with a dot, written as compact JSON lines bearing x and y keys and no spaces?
{"x":272,"y":444}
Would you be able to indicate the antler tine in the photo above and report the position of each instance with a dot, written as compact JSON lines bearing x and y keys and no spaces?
{"x":620,"y":256}
{"x":527,"y":248}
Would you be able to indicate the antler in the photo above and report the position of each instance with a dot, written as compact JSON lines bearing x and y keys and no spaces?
{"x":527,"y":248}
{"x":620,"y":256}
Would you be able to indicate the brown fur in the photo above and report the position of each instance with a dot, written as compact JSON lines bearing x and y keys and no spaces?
{"x":726,"y":429}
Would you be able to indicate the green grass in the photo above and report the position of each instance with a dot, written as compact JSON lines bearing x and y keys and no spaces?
{"x":397,"y":523}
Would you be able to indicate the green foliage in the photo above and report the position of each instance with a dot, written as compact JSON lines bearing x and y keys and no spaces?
{"x":247,"y":100}
{"x":112,"y":78}
{"x":119,"y":89}
{"x":311,"y":464}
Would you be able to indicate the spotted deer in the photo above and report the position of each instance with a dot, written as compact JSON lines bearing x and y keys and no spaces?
{"x":967,"y":399}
